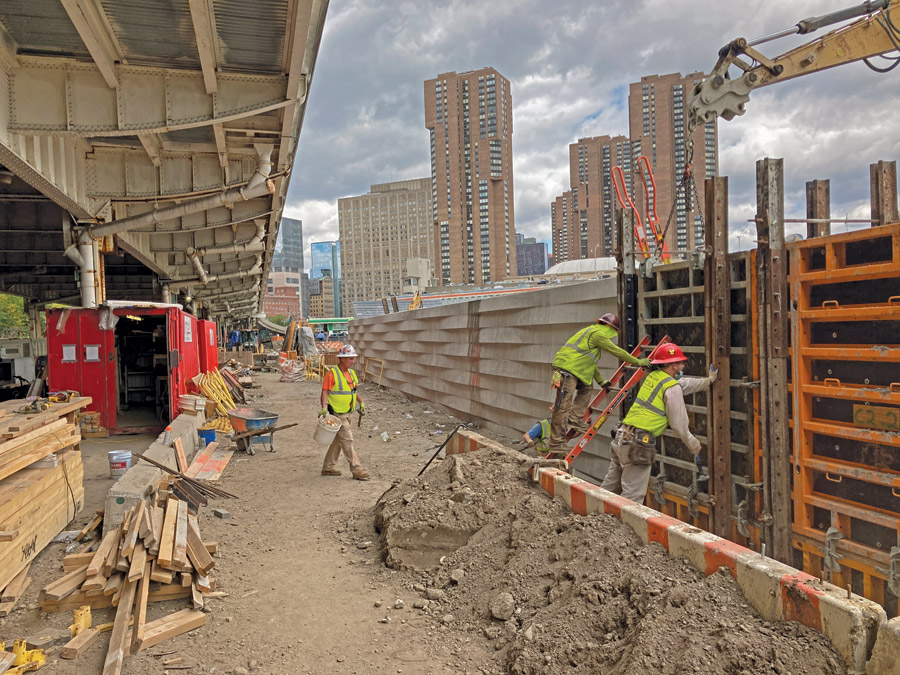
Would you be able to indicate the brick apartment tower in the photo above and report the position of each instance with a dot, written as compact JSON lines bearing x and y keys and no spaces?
{"x":657,"y":125}
{"x":379,"y":232}
{"x":583,"y":218}
{"x":469,"y":116}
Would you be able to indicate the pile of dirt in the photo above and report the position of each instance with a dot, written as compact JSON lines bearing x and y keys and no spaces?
{"x":498,"y":560}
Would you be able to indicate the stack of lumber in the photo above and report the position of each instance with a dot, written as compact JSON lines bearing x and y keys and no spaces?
{"x":89,"y":422}
{"x":191,"y":403}
{"x":41,"y":487}
{"x":212,"y":386}
{"x":156,"y":554}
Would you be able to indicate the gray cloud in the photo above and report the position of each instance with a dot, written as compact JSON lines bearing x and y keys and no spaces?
{"x":570,"y":63}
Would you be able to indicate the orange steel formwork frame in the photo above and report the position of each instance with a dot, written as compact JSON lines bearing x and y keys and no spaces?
{"x":845,"y":343}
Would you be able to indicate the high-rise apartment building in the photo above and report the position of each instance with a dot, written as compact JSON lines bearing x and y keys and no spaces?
{"x":380,"y":231}
{"x":531,"y":256}
{"x":583,"y":218}
{"x":325,"y":260}
{"x":286,"y":271}
{"x":657,"y":116}
{"x":290,"y":245}
{"x":469,"y":116}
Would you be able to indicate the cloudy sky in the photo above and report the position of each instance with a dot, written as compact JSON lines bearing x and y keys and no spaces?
{"x":570,"y":63}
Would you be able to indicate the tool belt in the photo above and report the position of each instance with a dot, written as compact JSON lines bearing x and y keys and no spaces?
{"x":639,"y":445}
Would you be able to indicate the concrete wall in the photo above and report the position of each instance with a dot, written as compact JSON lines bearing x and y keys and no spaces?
{"x":488,"y":361}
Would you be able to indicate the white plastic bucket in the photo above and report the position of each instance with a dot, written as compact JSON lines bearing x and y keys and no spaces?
{"x":119,"y":462}
{"x":327,"y":429}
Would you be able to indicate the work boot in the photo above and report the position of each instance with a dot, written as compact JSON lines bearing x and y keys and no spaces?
{"x":361,"y":474}
{"x":331,"y":472}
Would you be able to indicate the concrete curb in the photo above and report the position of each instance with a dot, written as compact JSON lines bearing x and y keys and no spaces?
{"x":140,"y":480}
{"x":777,"y":591}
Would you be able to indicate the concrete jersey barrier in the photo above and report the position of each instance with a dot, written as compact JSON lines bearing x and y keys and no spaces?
{"x":857,"y":627}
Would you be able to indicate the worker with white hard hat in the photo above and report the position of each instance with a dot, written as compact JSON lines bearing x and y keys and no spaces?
{"x":339,"y":398}
{"x":659,"y":405}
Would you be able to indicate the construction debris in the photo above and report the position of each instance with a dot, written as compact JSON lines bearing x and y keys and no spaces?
{"x":554,"y":592}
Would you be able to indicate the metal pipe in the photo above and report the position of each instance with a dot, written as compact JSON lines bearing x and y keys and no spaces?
{"x":72,"y":254}
{"x":194,"y":257}
{"x":87,"y":274}
{"x":166,"y":295}
{"x":258,"y":186}
{"x":252,"y":244}
{"x":253,"y":271}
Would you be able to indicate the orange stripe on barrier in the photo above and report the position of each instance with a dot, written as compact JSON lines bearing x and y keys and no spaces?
{"x":547,"y":482}
{"x":800,"y":600}
{"x":722,"y":553}
{"x":658,"y":529}
{"x":613,"y":505}
{"x":579,"y":498}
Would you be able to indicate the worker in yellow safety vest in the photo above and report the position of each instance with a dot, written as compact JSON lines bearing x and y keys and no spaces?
{"x":538,"y":436}
{"x":339,"y":398}
{"x":659,"y":405}
{"x":575,"y":367}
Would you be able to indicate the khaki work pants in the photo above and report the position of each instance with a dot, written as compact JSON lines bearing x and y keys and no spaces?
{"x":342,"y":443}
{"x":629,"y":466}
{"x":572,"y":399}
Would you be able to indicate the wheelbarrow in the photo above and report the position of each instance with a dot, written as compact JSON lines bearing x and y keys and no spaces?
{"x":254,"y":427}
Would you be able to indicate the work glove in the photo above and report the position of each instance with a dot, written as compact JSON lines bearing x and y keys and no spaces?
{"x":644,"y":363}
{"x":361,"y":407}
{"x":556,"y":381}
{"x":323,"y":412}
{"x":713,"y":373}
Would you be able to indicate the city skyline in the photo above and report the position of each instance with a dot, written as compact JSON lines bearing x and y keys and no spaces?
{"x":364,"y":123}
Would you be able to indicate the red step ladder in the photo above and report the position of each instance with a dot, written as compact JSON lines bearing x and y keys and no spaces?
{"x":616,"y":401}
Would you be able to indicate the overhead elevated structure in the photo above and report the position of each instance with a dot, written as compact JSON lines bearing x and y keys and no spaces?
{"x":146,"y":146}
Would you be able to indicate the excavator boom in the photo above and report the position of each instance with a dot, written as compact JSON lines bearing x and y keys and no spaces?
{"x":878,"y":33}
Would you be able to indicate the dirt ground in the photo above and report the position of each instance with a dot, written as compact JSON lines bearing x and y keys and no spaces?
{"x":309,"y":591}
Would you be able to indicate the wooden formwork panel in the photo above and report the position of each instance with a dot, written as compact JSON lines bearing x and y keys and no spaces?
{"x":845,"y":344}
{"x":672,"y":302}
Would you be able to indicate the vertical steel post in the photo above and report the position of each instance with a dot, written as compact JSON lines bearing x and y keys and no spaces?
{"x":818,"y":207}
{"x":775,"y":306}
{"x":718,"y":353}
{"x":627,"y":289}
{"x":883,"y":179}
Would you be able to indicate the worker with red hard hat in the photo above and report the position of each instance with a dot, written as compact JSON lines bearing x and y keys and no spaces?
{"x":575,"y":367}
{"x":659,"y":405}
{"x":339,"y":398}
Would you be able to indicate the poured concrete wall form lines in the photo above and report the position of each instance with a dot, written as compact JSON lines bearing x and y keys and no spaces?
{"x":488,"y":361}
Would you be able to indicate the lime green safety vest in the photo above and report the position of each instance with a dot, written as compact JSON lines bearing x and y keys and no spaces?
{"x":648,"y":412}
{"x":543,"y":444}
{"x":342,"y":399}
{"x":575,"y":357}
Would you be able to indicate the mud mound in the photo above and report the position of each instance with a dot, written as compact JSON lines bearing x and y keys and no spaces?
{"x":553,"y":592}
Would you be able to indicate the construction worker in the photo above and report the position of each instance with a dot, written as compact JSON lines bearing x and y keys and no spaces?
{"x":659,"y":405}
{"x":575,"y":367}
{"x":538,"y":436}
{"x":339,"y":398}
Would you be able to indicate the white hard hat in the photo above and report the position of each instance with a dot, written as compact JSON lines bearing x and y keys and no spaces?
{"x":347,"y":351}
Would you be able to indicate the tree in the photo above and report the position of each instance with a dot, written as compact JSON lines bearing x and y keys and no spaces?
{"x":13,"y":320}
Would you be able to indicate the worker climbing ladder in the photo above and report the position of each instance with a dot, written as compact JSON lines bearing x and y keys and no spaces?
{"x":617,"y":400}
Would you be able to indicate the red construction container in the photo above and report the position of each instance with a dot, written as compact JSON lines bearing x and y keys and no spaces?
{"x":134,"y":361}
{"x":208,"y":345}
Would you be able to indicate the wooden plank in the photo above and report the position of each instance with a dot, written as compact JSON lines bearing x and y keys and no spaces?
{"x":17,"y":586}
{"x":75,"y":560}
{"x":11,"y":444}
{"x":6,"y":660}
{"x":216,"y":464}
{"x":179,"y":551}
{"x":65,"y":585}
{"x":114,"y":583}
{"x":200,"y":459}
{"x":196,"y":596}
{"x":167,"y":540}
{"x":161,"y":574}
{"x":109,"y":564}
{"x":94,"y":582}
{"x":99,"y":556}
{"x":95,"y":522}
{"x":138,"y":561}
{"x":134,"y":525}
{"x":140,"y":613}
{"x":79,"y":644}
{"x":186,"y":579}
{"x":206,"y":584}
{"x":197,"y":553}
{"x":146,"y":529}
{"x":180,"y":458}
{"x":170,"y":626}
{"x":8,"y":535}
{"x":158,"y":516}
{"x":211,"y":546}
{"x":118,"y":638}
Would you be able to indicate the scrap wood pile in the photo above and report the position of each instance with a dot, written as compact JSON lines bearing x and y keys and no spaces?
{"x":41,"y":487}
{"x":156,"y":554}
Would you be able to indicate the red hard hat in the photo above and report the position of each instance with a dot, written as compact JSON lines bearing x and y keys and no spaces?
{"x":667,"y":352}
{"x":610,"y":320}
